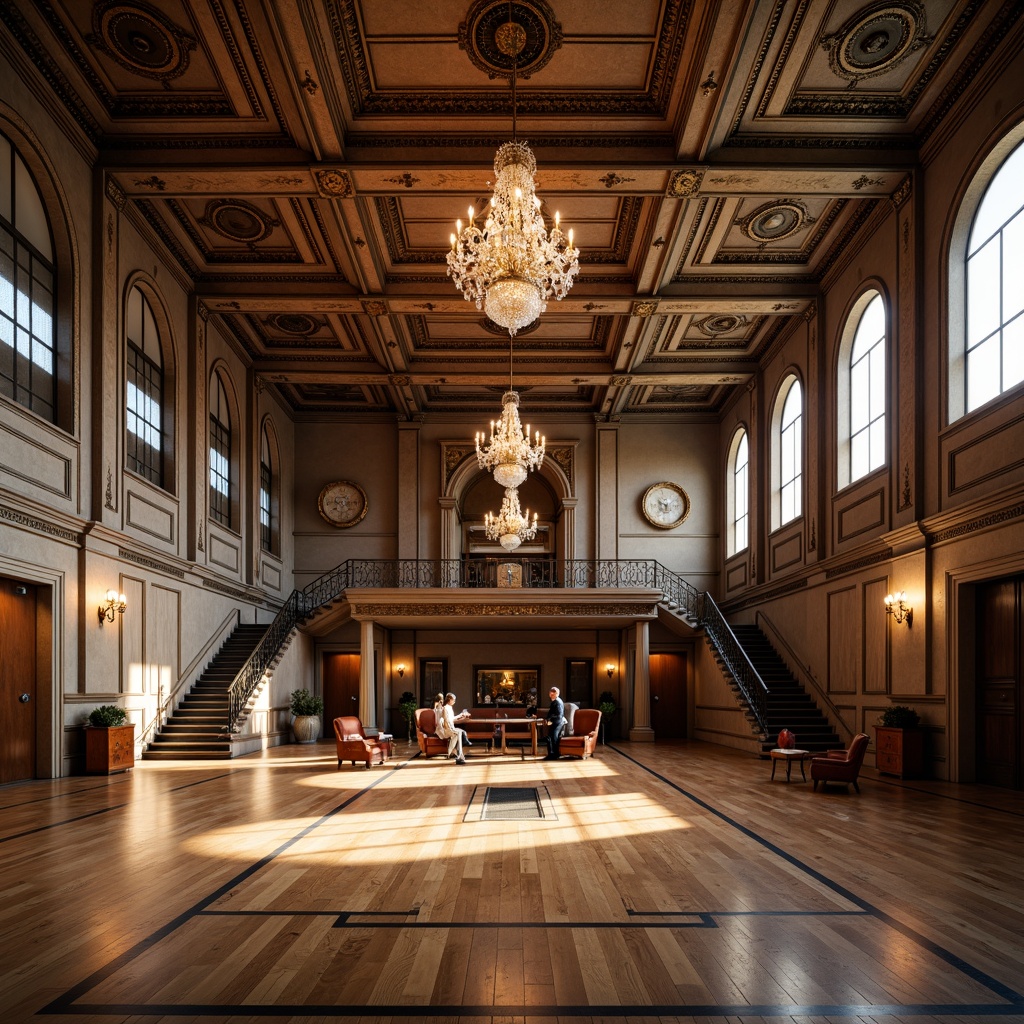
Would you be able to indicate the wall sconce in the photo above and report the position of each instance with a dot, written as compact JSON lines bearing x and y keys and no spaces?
{"x":610,"y":669}
{"x":115,"y":603}
{"x":400,"y":669}
{"x":896,"y":606}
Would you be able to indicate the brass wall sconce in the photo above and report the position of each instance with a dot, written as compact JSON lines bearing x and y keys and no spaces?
{"x":896,"y":606}
{"x":610,"y":669}
{"x":115,"y":603}
{"x":400,"y":669}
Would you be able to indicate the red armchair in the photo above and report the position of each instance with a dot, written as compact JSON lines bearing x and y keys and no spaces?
{"x":426,"y":734}
{"x":583,"y":741}
{"x":840,"y":765}
{"x":354,"y":745}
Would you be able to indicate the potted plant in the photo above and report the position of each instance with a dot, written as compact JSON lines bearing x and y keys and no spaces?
{"x":407,"y":708}
{"x":899,"y":743}
{"x":109,"y":741}
{"x":606,"y":705}
{"x":307,"y":709}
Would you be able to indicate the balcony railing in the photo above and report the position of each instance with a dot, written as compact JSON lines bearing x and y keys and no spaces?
{"x":539,"y":573}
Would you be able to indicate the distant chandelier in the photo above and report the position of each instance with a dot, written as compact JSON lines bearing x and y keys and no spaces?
{"x":511,"y":526}
{"x":509,"y":453}
{"x":510,"y":265}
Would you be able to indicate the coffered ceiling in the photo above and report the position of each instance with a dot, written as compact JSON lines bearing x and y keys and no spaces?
{"x":304,"y":161}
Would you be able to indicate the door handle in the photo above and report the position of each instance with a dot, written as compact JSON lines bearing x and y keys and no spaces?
{"x":24,"y":698}
{"x":656,"y":697}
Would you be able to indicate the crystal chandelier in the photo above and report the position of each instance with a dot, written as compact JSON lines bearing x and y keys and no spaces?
{"x":511,"y":526}
{"x":509,"y":453}
{"x":507,"y":262}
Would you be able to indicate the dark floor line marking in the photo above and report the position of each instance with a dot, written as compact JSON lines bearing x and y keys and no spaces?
{"x":617,"y":1011}
{"x":67,"y":794}
{"x":63,"y":1003}
{"x":975,"y":973}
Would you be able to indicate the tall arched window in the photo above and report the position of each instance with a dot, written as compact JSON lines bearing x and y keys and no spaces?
{"x":28,"y":354}
{"x":268,"y":499}
{"x":220,"y":453}
{"x":144,"y":391}
{"x":994,"y":342}
{"x":862,"y":390}
{"x":737,"y":494}
{"x":787,"y":455}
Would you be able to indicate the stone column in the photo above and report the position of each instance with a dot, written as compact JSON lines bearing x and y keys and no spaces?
{"x":642,"y":687}
{"x":367,"y":691}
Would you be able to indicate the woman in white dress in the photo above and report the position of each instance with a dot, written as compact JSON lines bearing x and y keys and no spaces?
{"x":448,"y":730}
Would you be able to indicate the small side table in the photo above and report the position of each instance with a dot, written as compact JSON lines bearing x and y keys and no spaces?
{"x":385,"y":741}
{"x":789,"y":756}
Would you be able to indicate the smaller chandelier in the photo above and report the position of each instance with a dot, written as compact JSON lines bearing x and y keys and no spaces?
{"x":511,"y":526}
{"x":509,"y":452}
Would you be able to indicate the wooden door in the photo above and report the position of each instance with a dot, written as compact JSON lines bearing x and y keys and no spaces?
{"x":17,"y":681}
{"x":1000,"y":683}
{"x":668,"y":695}
{"x":340,"y":674}
{"x":579,"y":682}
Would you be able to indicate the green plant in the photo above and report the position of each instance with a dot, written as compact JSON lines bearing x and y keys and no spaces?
{"x":899,"y":716}
{"x":606,"y":705}
{"x":107,"y":716}
{"x":407,"y":706}
{"x":304,"y":703}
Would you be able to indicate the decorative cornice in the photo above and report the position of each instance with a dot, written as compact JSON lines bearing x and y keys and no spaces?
{"x":223,"y":588}
{"x":571,"y":609}
{"x":150,"y":563}
{"x":861,"y":563}
{"x":1003,"y":515}
{"x":38,"y":525}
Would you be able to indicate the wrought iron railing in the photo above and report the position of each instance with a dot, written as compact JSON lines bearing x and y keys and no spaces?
{"x":697,"y":606}
{"x":751,"y":685}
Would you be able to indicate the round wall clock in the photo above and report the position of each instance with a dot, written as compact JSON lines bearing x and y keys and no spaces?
{"x":665,"y":505}
{"x":342,"y":503}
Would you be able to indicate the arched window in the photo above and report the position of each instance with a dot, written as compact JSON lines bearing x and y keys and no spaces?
{"x":220,"y":453}
{"x":144,"y":396}
{"x":994,"y":342}
{"x":737,"y":494}
{"x":862,"y":390}
{"x":787,"y":454}
{"x":268,"y":497}
{"x":28,"y":353}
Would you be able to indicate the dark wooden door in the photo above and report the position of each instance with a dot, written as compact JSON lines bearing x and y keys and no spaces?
{"x":579,"y":682}
{"x":17,"y":681}
{"x":668,"y":695}
{"x":1000,"y":683}
{"x":340,"y":673}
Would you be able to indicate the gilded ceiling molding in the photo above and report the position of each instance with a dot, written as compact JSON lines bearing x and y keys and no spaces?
{"x":115,"y":193}
{"x":479,"y":36}
{"x":684,"y":184}
{"x":902,"y":193}
{"x":644,"y":308}
{"x":876,"y":40}
{"x":538,"y":141}
{"x":374,"y":307}
{"x":140,"y":39}
{"x":332,"y":183}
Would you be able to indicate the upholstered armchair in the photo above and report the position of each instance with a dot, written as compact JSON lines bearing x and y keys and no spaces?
{"x":426,"y":734}
{"x":840,"y":765}
{"x":583,"y":741}
{"x":354,"y":745}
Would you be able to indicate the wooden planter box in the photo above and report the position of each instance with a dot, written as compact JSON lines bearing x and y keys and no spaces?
{"x":899,"y":751}
{"x":109,"y":750}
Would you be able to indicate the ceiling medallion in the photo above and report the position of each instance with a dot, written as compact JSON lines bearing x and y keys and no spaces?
{"x":722,"y":323}
{"x":501,"y":42}
{"x":492,"y":328}
{"x":876,"y":40}
{"x":238,"y":220}
{"x":141,"y":39}
{"x":776,"y":220}
{"x":299,"y":324}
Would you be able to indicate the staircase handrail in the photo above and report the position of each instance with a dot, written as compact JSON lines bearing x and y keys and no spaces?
{"x":679,"y":591}
{"x":751,"y":685}
{"x":250,"y":675}
{"x":778,"y":640}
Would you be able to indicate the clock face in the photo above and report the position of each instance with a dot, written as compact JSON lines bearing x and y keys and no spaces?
{"x":665,"y":505}
{"x":342,"y":503}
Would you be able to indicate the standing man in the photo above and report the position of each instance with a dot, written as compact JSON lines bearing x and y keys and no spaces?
{"x":556,"y":724}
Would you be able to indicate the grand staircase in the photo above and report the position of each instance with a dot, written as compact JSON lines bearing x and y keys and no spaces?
{"x":198,"y":726}
{"x":788,"y":705}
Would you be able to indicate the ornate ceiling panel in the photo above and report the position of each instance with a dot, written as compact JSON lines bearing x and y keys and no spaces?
{"x":303,"y":163}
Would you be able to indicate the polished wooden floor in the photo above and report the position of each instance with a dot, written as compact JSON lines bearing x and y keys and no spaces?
{"x":666,"y":882}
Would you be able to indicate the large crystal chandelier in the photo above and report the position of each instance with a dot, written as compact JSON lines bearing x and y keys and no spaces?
{"x":507,"y":262}
{"x":511,"y":526}
{"x":509,"y":453}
